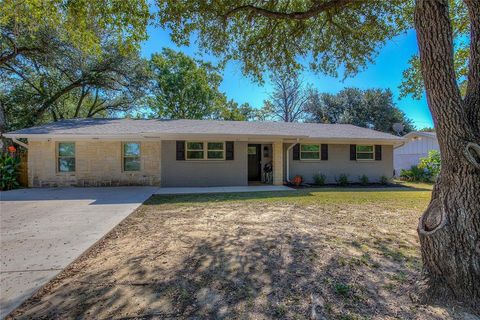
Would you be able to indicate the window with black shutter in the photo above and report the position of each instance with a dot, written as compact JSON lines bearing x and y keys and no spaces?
{"x":180,"y":150}
{"x":324,"y":151}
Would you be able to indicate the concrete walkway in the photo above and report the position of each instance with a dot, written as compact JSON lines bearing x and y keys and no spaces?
{"x":43,"y":230}
{"x":184,"y":190}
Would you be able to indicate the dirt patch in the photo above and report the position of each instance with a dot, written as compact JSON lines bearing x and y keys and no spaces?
{"x":246,"y":259}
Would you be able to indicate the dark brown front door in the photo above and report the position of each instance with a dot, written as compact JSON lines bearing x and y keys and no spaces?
{"x":254,"y":167}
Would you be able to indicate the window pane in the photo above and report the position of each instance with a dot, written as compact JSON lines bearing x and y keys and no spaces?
{"x":215,"y":154}
{"x":252,"y":150}
{"x":131,"y":164}
{"x":364,"y":148}
{"x":365,"y":156}
{"x":194,"y":154}
{"x":131,"y":149}
{"x":309,"y":147}
{"x":215,"y":146}
{"x":66,"y":164}
{"x":66,"y":149}
{"x":195,"y":145}
{"x":310,"y":155}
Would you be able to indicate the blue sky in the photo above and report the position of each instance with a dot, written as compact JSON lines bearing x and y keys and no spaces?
{"x":385,"y":72}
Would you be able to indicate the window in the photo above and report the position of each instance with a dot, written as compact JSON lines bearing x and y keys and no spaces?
{"x":252,"y":150}
{"x":66,"y":157}
{"x":215,"y":150}
{"x":365,"y":152}
{"x":309,"y":152}
{"x":195,"y":151}
{"x":131,"y":156}
{"x":198,"y":150}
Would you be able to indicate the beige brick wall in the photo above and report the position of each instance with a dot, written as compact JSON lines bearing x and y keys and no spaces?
{"x":98,"y":163}
{"x":278,"y":163}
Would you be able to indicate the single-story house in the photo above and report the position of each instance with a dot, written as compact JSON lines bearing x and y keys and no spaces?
{"x":417,"y":145}
{"x":178,"y":153}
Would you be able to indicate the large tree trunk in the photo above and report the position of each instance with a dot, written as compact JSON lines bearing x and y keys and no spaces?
{"x":449,"y":230}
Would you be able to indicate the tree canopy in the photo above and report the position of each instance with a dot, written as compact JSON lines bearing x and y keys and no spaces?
{"x":270,"y":35}
{"x":412,"y":83}
{"x":185,"y":88}
{"x":64,"y":82}
{"x":78,"y":22}
{"x":371,"y":108}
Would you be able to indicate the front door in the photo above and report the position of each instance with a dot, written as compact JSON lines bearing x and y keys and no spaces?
{"x":254,"y":166}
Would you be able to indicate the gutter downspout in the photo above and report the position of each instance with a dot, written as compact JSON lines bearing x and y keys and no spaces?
{"x":20,"y":143}
{"x":288,"y":159}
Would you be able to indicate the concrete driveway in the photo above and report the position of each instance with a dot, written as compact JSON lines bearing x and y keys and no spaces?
{"x":43,"y":230}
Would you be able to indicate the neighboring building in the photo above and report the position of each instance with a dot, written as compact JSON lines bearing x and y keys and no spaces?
{"x":95,"y":152}
{"x":417,"y":146}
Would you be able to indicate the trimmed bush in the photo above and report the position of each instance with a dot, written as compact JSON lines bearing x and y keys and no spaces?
{"x":384,"y":180}
{"x":431,"y":164}
{"x":415,"y":174}
{"x":319,"y":179}
{"x":342,"y":180}
{"x":363,"y":180}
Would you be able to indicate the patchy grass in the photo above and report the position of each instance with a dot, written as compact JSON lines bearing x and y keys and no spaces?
{"x":332,"y":253}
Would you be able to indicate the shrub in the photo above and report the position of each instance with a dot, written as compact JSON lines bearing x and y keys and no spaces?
{"x":384,"y":180}
{"x":8,"y":171}
{"x":363,"y":180}
{"x":431,"y":163}
{"x":415,"y":174}
{"x":319,"y":179}
{"x":342,"y":179}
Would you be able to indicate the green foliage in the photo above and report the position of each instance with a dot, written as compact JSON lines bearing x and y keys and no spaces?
{"x":384,"y":180}
{"x":184,"y":88}
{"x":8,"y":171}
{"x":79,"y":22}
{"x":412,"y":83}
{"x":319,"y":179}
{"x":372,"y":108}
{"x":342,"y":180}
{"x":431,"y":163}
{"x":415,"y":174}
{"x":427,"y":129}
{"x":363,"y":179}
{"x":266,"y":35}
{"x":62,"y":82}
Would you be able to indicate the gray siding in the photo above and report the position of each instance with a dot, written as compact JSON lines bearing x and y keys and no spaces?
{"x":204,"y":173}
{"x":339,"y":163}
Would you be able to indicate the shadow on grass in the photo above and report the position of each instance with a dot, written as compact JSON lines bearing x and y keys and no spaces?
{"x":279,"y":276}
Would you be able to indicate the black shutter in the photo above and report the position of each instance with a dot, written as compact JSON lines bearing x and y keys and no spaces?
{"x":296,"y":152}
{"x":229,"y":150}
{"x":180,"y":150}
{"x":353,"y":152}
{"x":378,"y":152}
{"x":324,"y":149}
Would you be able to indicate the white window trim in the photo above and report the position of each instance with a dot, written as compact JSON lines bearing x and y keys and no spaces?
{"x":365,"y":145}
{"x":205,"y":151}
{"x":57,"y":157}
{"x":309,"y":144}
{"x":123,"y":156}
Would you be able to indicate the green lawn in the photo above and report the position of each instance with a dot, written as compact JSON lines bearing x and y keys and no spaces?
{"x":342,"y":253}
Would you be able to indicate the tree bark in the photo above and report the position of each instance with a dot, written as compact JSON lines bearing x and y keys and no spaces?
{"x":449,"y":230}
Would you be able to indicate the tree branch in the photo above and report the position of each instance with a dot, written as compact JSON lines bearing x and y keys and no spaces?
{"x":317,"y":8}
{"x":5,"y":57}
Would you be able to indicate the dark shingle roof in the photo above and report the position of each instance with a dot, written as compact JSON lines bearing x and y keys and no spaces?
{"x":113,"y":127}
